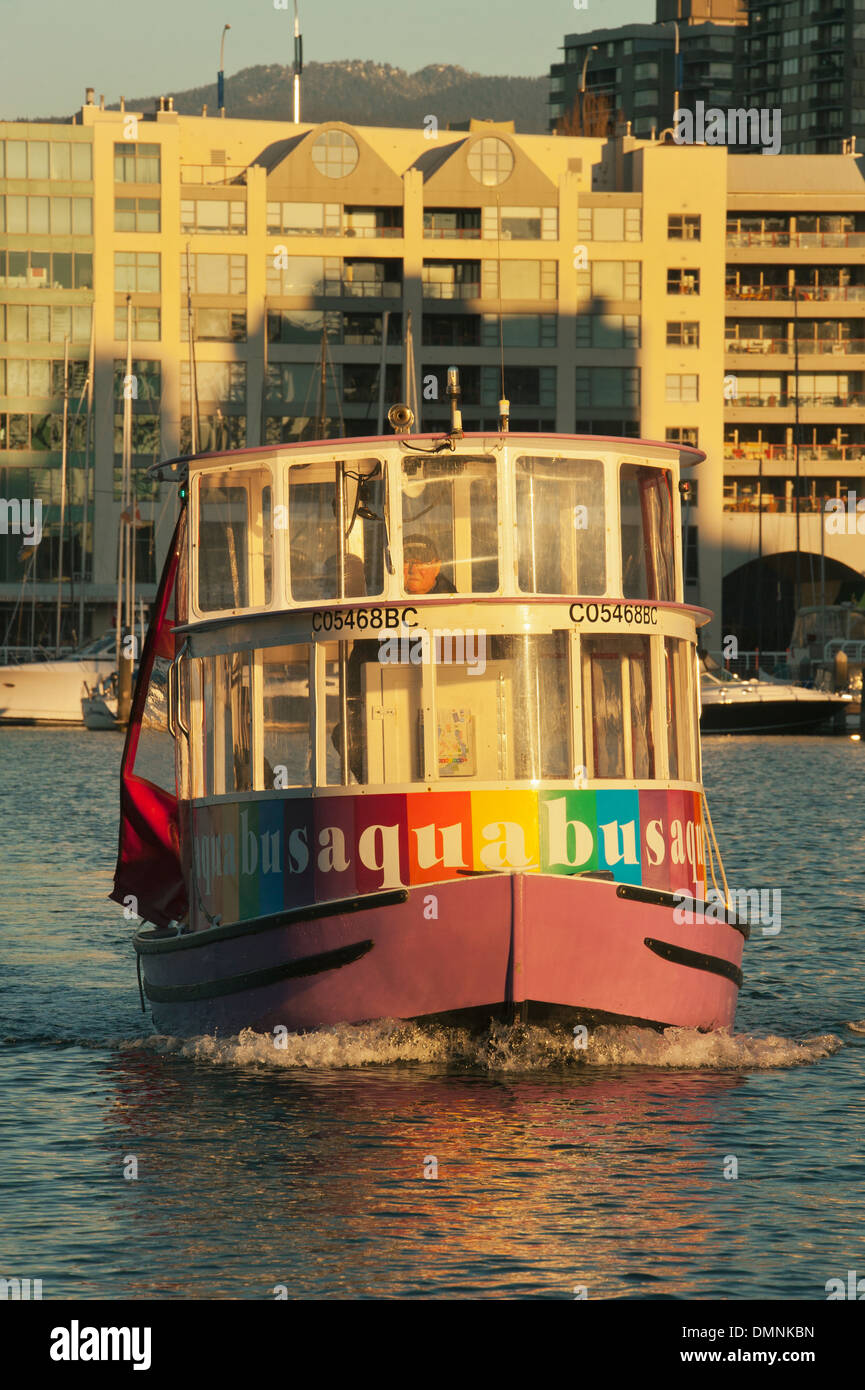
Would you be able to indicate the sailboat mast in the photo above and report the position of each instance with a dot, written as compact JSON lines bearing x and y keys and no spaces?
{"x":62,"y":492}
{"x":193,"y":373}
{"x":320,"y":432}
{"x":85,"y":516}
{"x":125,"y":614}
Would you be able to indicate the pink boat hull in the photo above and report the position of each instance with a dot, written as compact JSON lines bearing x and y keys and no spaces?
{"x":531,"y":946}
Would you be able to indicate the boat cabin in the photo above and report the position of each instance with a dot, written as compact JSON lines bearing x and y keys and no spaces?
{"x":399,"y":614}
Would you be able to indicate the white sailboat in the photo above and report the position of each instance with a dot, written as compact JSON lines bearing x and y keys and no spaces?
{"x":49,"y":692}
{"x":106,"y":703}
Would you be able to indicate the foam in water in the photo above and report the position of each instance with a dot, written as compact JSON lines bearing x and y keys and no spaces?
{"x":518,"y":1047}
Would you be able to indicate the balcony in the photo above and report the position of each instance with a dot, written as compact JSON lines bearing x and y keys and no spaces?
{"x":466,"y":289}
{"x":783,"y":453}
{"x":364,"y":289}
{"x":810,"y":402}
{"x":814,"y":347}
{"x":801,"y":240}
{"x":785,"y":292}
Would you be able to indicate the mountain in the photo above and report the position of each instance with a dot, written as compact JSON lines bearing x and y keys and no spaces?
{"x":366,"y":93}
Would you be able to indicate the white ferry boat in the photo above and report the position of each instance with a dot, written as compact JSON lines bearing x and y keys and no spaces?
{"x":431,"y":742}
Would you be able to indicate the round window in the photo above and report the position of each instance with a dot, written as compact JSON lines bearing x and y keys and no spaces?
{"x":334,"y":154}
{"x":490,"y":161}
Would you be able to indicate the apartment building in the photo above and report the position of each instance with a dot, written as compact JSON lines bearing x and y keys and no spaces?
{"x":627,"y":282}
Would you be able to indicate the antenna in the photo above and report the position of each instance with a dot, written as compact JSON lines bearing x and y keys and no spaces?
{"x":504,"y":403}
{"x":220,"y":76}
{"x":298,"y":64}
{"x":193,"y":373}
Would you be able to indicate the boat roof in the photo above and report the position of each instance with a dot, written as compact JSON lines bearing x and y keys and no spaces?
{"x":688,"y":456}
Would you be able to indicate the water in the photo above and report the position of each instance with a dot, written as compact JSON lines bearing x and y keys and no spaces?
{"x":305,"y":1168}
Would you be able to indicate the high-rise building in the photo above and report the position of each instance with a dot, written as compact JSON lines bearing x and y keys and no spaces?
{"x":678,"y":292}
{"x":803,"y":59}
{"x":693,"y":52}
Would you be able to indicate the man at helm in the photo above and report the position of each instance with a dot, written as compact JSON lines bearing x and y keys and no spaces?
{"x":422,"y":568}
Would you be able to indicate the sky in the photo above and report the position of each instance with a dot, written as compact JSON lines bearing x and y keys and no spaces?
{"x":51,"y":50}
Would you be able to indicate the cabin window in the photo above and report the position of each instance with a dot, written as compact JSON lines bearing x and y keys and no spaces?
{"x":561,"y":539}
{"x":286,"y":717}
{"x":313,"y":491}
{"x":617,"y":707}
{"x":502,"y":706}
{"x":681,"y":709}
{"x":235,"y":540}
{"x":648,"y":550}
{"x":383,"y":696}
{"x":450,"y":510}
{"x":233,"y":723}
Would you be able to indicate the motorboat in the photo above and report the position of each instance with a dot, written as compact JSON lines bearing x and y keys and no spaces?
{"x":762,"y":706}
{"x":49,"y":692}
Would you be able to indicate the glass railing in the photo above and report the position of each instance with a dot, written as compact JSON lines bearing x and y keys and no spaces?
{"x":783,"y":453}
{"x":803,"y":240}
{"x":785,"y":292}
{"x":780,"y":401}
{"x":815,"y":347}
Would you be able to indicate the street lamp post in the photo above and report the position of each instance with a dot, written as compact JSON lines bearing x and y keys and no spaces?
{"x":589,"y":52}
{"x":220,"y":76}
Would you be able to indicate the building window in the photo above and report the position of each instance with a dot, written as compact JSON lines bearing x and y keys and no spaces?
{"x":684,"y":434}
{"x":213,"y":274}
{"x":612,"y":280}
{"x":147,"y":379}
{"x":215,"y":325}
{"x":304,"y":219}
{"x":683,"y":387}
{"x":451,"y":279}
{"x":44,"y":323}
{"x":520,"y":330}
{"x":46,"y":270}
{"x":610,"y":224}
{"x":146,"y":323}
{"x":43,"y":159}
{"x":520,"y":279}
{"x":613,"y":331}
{"x":218,"y":215}
{"x":683,"y":227}
{"x":490,"y":161}
{"x":20,"y":216}
{"x":683,"y":335}
{"x":137,"y":163}
{"x":137,"y":272}
{"x":681,"y":281}
{"x":455,"y":330}
{"x":523,"y":386}
{"x":137,"y":215}
{"x":217,"y":383}
{"x":607,"y":386}
{"x":378,"y":221}
{"x":335,"y":154}
{"x":463,"y":224}
{"x":645,"y":70}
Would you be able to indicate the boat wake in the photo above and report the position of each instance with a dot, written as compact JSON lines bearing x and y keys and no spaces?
{"x":501,"y":1048}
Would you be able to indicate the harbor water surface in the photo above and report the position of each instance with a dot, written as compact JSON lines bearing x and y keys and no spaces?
{"x":307,"y":1171}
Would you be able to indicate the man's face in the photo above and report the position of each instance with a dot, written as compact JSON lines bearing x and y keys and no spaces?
{"x":419,"y":576}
